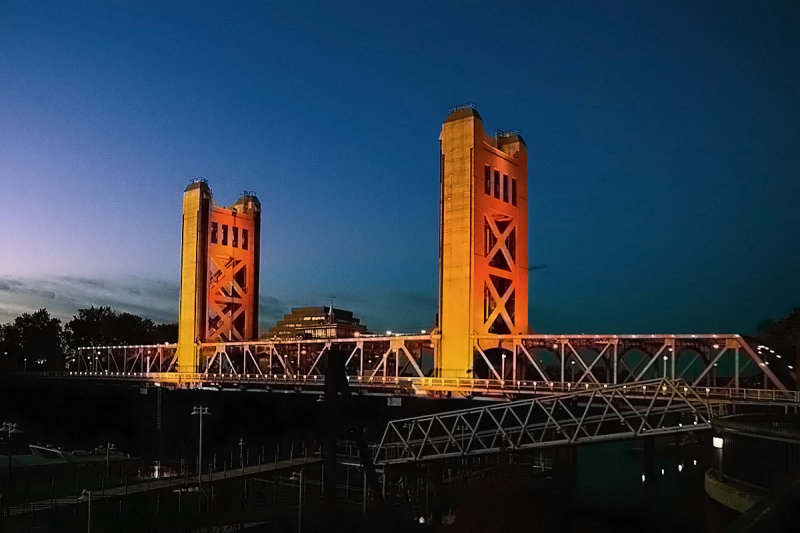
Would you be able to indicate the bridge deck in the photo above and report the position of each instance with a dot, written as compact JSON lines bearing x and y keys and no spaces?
{"x":413,"y":386}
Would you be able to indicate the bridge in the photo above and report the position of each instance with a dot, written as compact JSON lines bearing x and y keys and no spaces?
{"x":721,"y":366}
{"x":594,"y":414}
{"x":480,"y":347}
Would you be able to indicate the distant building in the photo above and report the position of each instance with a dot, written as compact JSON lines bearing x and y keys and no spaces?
{"x":317,"y":323}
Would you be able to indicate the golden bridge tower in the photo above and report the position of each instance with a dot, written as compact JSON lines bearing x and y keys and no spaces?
{"x":483,"y":256}
{"x":220,"y":256}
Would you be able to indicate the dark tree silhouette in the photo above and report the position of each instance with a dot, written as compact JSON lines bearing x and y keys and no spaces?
{"x":164,"y":333}
{"x":33,"y":341}
{"x":102,"y":326}
{"x":782,"y":334}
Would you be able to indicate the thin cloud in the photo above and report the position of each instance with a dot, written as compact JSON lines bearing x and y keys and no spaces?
{"x":62,"y":296}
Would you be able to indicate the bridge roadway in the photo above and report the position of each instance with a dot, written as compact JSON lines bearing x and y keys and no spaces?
{"x":489,"y":389}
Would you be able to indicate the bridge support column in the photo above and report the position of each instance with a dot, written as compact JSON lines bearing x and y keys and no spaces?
{"x":220,"y":251}
{"x":483,"y":236}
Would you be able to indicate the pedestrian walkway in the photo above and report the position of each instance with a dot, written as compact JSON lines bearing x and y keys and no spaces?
{"x":187,"y":484}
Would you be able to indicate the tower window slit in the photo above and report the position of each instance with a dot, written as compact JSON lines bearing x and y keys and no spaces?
{"x":214,"y":231}
{"x":513,"y":191}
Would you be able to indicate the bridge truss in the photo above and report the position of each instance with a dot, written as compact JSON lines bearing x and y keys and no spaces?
{"x":507,"y":365}
{"x":595,"y":414}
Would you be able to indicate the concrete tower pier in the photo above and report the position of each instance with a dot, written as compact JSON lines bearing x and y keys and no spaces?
{"x":483,"y":263}
{"x":220,"y":256}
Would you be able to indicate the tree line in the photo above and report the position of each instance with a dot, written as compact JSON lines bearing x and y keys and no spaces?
{"x":38,"y":341}
{"x":782,"y":334}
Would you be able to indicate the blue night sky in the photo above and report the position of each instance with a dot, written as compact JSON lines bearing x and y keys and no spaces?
{"x":664,"y":145}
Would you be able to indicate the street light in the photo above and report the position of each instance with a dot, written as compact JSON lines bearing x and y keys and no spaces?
{"x":9,"y":428}
{"x":86,"y":496}
{"x":109,"y":447}
{"x":200,"y":411}
{"x":298,"y":476}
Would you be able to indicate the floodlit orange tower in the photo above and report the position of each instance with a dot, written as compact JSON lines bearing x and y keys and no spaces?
{"x":220,"y":256}
{"x":483,"y":256}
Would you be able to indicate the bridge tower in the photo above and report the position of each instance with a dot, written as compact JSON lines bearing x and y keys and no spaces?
{"x":220,"y":256}
{"x":483,"y":235}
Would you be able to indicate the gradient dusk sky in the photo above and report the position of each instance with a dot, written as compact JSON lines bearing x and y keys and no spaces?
{"x":663,"y":138}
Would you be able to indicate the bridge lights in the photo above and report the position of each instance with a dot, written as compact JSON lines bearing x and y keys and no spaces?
{"x":717,"y":442}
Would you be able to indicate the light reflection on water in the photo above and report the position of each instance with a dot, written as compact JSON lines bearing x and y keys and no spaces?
{"x":612,"y":482}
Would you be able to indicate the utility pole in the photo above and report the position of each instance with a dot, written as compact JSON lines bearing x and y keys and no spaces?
{"x":200,"y":411}
{"x":109,"y":447}
{"x":9,"y":428}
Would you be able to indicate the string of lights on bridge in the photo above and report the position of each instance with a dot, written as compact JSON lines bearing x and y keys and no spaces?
{"x":765,"y":351}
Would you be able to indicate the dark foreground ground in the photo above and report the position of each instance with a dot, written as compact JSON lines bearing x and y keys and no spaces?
{"x":604,"y":493}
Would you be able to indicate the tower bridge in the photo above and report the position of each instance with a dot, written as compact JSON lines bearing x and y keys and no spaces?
{"x":482,"y":344}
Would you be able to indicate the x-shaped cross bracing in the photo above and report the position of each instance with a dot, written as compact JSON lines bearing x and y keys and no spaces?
{"x":499,"y":300}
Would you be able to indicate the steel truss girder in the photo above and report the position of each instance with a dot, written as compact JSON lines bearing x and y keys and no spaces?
{"x":600,"y":413}
{"x":376,"y":357}
{"x":144,"y":358}
{"x":603,"y":359}
{"x":659,"y":356}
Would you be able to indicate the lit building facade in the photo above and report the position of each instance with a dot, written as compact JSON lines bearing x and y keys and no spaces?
{"x":317,"y":323}
{"x":483,"y":269}
{"x":220,"y":256}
